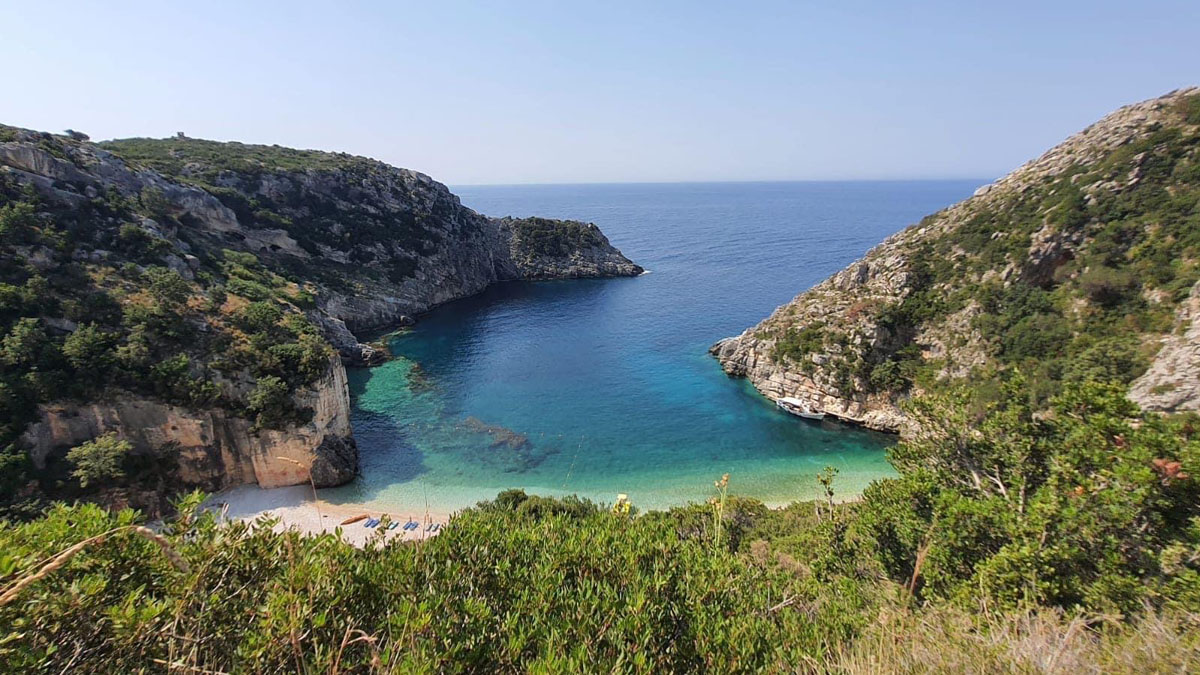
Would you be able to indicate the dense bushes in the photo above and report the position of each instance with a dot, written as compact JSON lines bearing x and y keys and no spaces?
{"x":500,"y":589}
{"x":99,"y":460}
{"x":1085,"y":522}
{"x":797,"y":344}
{"x":1073,"y":508}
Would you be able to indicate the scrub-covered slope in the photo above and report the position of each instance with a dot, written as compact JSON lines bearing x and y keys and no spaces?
{"x":1080,"y":265}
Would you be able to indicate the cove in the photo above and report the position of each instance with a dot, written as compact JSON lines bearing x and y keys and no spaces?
{"x":600,"y":387}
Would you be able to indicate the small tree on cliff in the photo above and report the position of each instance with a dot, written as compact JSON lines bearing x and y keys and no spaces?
{"x":271,"y":403}
{"x":99,"y":460}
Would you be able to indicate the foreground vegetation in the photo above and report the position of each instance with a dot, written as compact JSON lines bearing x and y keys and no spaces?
{"x":1011,"y":541}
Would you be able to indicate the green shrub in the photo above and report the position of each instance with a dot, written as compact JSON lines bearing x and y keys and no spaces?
{"x":99,"y":460}
{"x":1069,"y":509}
{"x":90,"y":352}
{"x":251,"y":290}
{"x":795,"y":344}
{"x":17,"y":222}
{"x":271,"y":402}
{"x":168,"y":288}
{"x":24,"y":345}
{"x":498,"y":590}
{"x":259,"y":317}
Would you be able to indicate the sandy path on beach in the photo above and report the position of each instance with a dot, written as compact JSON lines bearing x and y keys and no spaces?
{"x":297,"y":510}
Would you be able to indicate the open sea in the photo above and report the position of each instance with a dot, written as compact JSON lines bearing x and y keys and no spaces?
{"x":600,"y":387}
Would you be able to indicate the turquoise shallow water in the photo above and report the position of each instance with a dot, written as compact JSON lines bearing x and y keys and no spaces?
{"x":599,"y":387}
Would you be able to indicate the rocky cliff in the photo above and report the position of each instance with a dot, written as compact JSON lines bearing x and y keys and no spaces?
{"x":193,"y":295}
{"x":215,"y":448}
{"x":1078,"y":265}
{"x":382,"y":243}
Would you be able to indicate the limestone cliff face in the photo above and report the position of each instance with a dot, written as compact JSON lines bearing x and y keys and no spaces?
{"x":1061,"y":262}
{"x":216,"y":448}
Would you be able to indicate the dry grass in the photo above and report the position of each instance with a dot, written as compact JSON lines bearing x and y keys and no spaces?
{"x":49,"y":566}
{"x":1046,"y":641}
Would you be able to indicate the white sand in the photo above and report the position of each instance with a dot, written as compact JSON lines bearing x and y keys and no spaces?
{"x":295,"y":508}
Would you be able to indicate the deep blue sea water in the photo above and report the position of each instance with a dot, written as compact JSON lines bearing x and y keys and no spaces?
{"x":600,"y":387}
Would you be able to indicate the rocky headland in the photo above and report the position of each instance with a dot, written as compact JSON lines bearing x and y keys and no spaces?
{"x":1081,"y":264}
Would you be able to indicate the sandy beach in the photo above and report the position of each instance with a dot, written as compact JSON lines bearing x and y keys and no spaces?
{"x":295,"y":508}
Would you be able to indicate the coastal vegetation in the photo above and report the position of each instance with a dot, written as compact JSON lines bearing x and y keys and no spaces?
{"x":1037,"y":544}
{"x":1077,"y":267}
{"x":554,"y":238}
{"x":265,"y":186}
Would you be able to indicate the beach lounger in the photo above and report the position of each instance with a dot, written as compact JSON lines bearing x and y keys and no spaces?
{"x":371,"y":522}
{"x":392,"y":525}
{"x":411,"y":525}
{"x":436,"y":527}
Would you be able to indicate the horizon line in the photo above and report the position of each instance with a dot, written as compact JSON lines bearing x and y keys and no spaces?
{"x":984,"y":181}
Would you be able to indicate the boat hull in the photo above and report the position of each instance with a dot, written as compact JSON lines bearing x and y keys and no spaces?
{"x":799,"y":412}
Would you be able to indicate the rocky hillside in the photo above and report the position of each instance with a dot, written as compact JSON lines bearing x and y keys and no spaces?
{"x":193,"y":297}
{"x":1080,"y":265}
{"x":383,"y":243}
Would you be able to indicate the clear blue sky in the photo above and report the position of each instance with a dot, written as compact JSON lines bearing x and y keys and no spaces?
{"x":508,"y":92}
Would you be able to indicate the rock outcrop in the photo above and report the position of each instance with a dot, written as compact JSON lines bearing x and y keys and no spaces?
{"x":1046,"y":269}
{"x":1172,"y":382}
{"x":216,"y":448}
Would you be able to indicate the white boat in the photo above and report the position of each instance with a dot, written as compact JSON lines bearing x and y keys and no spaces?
{"x":799,"y":408}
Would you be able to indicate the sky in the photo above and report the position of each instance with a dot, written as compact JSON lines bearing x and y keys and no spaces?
{"x":615,"y":91}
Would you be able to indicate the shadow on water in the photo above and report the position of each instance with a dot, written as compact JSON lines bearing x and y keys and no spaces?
{"x":383,"y":446}
{"x":460,"y":331}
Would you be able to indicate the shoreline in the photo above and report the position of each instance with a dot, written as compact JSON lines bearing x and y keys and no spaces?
{"x":296,"y":509}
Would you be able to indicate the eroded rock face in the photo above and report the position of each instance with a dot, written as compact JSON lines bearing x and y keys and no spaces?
{"x":746,"y":358}
{"x":1172,"y":383}
{"x":216,"y":448}
{"x":336,"y":461}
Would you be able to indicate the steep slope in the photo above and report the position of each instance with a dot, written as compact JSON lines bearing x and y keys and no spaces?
{"x":185,"y":294}
{"x":1078,"y":265}
{"x":383,"y":243}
